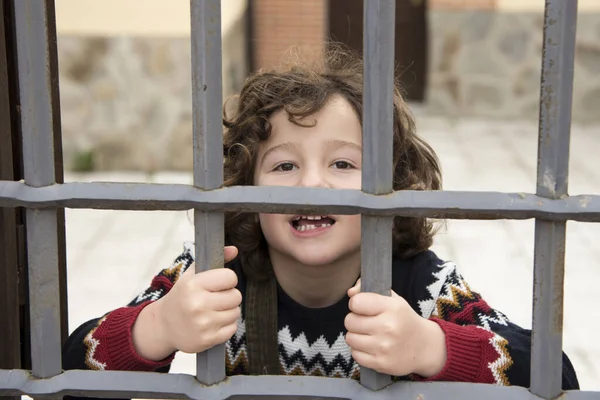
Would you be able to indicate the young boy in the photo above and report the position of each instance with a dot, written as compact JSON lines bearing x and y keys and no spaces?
{"x":301,"y":126}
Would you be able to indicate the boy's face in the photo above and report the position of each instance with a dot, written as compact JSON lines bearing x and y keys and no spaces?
{"x":326,"y":155}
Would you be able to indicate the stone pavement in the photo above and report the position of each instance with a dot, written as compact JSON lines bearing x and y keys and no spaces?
{"x":112,"y":255}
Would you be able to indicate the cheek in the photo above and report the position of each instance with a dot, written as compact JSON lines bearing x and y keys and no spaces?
{"x":269,"y":223}
{"x":349,"y":180}
{"x":355,"y":220}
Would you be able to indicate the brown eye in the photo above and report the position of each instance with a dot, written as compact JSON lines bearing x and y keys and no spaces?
{"x":285,"y":167}
{"x":342,"y":165}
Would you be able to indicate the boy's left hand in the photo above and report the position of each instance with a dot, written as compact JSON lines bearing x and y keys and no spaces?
{"x":387,"y":335}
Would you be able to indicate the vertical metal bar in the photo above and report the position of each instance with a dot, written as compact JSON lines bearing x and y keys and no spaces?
{"x":552,"y":182}
{"x":208,"y":155}
{"x":38,"y":162}
{"x":58,"y":163}
{"x":10,"y":329}
{"x":377,"y":172}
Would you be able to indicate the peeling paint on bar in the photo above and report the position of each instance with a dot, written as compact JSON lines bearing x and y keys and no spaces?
{"x":556,"y":92}
{"x":438,"y":204}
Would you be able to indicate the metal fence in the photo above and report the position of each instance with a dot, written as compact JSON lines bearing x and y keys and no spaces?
{"x":43,"y":198}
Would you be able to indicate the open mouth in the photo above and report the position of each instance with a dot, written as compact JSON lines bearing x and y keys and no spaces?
{"x":304,"y":223}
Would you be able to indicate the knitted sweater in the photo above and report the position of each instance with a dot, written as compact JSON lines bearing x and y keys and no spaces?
{"x":483,"y":346}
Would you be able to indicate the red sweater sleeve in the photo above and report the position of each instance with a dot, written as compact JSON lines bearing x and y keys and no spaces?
{"x":110,"y":345}
{"x":482,"y":344}
{"x":106,"y":343}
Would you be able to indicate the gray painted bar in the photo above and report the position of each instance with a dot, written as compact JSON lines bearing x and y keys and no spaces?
{"x":38,"y":163}
{"x":120,"y":384}
{"x":434,"y":204}
{"x":377,"y":149}
{"x":208,"y":155}
{"x":556,"y":93}
{"x":551,"y":206}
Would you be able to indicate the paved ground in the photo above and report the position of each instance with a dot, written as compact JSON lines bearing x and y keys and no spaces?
{"x":113,"y":254}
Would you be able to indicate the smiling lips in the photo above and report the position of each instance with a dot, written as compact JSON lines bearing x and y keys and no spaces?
{"x":303,"y":223}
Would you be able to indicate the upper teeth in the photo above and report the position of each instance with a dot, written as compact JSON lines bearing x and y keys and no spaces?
{"x":311,"y":217}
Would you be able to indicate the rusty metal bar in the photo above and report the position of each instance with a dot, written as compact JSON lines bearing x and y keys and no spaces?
{"x":552,"y":182}
{"x":377,"y":155}
{"x":35,"y":87}
{"x":446,"y":204}
{"x":208,"y":155}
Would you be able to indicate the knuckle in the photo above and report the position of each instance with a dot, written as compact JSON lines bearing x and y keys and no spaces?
{"x":350,"y":339}
{"x":389,"y":326}
{"x":238,"y":297}
{"x":238,"y":313}
{"x":225,"y":334}
{"x":384,"y":346}
{"x":349,"y":321}
{"x":188,"y":285}
{"x":398,"y":306}
{"x":196,"y":304}
{"x":356,"y":301}
{"x":231,"y":276}
{"x":233,"y":316}
{"x":208,"y":340}
{"x":203,"y":324}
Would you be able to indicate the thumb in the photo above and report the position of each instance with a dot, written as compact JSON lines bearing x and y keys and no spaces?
{"x":231,"y":252}
{"x":354,"y":290}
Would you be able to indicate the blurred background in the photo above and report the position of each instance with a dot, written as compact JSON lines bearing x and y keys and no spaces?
{"x":471,"y":72}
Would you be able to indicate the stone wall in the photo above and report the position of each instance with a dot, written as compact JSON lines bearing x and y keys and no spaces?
{"x":126,"y":102}
{"x":485,"y":63}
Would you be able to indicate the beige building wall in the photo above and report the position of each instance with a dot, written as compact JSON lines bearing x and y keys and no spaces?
{"x":538,"y":5}
{"x":124,"y":72}
{"x":164,"y":18}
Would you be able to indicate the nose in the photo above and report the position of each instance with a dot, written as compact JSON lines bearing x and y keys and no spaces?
{"x":313,"y":177}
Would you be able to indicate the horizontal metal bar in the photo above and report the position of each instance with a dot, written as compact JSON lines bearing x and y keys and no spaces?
{"x":126,"y":384}
{"x":435,"y":204}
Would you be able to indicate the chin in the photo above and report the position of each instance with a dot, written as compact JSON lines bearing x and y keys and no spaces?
{"x":318,"y":254}
{"x":315,"y":260}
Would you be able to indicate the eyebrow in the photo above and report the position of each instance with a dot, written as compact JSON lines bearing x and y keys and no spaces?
{"x":281,"y":146}
{"x":333,"y":144}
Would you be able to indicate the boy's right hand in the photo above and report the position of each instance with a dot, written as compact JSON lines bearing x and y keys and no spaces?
{"x":199,"y":312}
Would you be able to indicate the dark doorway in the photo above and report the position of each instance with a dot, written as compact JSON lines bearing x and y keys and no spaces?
{"x":346,"y":26}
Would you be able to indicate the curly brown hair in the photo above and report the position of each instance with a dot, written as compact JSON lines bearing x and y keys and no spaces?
{"x":301,"y":88}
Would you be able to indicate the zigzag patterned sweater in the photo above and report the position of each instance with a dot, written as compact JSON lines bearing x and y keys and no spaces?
{"x":483,"y":346}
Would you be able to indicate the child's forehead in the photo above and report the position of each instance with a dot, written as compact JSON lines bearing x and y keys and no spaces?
{"x":337,"y":113}
{"x":333,"y":127}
